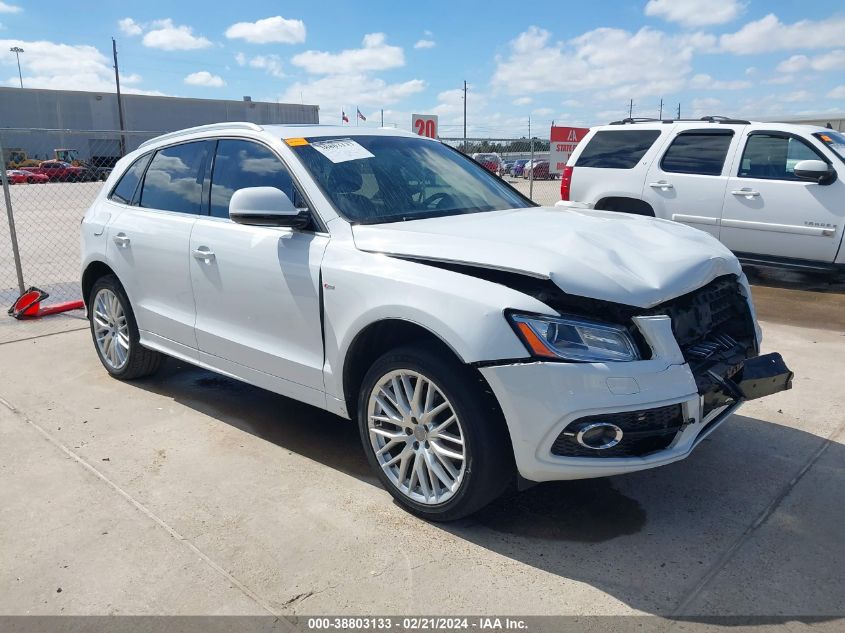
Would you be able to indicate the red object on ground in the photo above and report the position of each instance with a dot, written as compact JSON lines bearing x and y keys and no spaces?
{"x":28,"y":305}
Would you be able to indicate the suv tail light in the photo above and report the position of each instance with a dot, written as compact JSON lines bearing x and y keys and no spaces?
{"x":566,"y":182}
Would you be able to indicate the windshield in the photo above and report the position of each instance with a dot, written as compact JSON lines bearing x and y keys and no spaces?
{"x":834,"y":141}
{"x":374,"y":179}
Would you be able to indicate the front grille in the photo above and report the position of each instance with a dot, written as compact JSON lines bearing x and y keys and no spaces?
{"x":711,"y":319}
{"x":643,"y":432}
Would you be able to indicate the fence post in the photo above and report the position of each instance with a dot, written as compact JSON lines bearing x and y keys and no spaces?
{"x":531,"y":173}
{"x":11,"y":216}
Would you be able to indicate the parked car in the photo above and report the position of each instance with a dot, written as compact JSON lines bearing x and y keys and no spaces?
{"x":508,"y":166}
{"x":539,"y":170}
{"x":770,"y":192}
{"x":60,"y":171}
{"x":387,"y":278}
{"x":491,"y":162}
{"x":518,"y":167}
{"x":20,"y":176}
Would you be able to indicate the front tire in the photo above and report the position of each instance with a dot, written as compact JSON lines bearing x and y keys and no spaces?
{"x":433,"y":436}
{"x":115,"y":332}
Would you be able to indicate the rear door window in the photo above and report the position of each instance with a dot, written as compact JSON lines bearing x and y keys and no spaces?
{"x":125,"y":188}
{"x":698,"y":152}
{"x":774,"y":156}
{"x":239,"y":164}
{"x":174,"y":178}
{"x":617,"y":149}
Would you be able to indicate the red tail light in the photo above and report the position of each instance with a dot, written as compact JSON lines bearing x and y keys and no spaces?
{"x":565,"y":182}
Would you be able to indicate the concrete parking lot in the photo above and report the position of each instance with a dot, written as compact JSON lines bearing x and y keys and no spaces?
{"x":190,"y":493}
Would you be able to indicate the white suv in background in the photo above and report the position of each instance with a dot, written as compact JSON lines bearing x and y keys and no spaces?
{"x":770,"y":192}
{"x":389,"y":279}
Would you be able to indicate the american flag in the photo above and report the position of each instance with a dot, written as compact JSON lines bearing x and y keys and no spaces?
{"x":361,"y":116}
{"x":343,"y":117}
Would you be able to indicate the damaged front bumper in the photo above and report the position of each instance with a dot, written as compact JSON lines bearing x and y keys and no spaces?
{"x":661,"y":408}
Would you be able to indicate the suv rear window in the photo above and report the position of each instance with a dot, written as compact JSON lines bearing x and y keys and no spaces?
{"x":125,"y":188}
{"x":617,"y":149}
{"x":173,"y":181}
{"x":698,"y":152}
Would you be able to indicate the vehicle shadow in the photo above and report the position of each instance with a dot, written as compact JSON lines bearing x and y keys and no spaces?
{"x":647,"y":538}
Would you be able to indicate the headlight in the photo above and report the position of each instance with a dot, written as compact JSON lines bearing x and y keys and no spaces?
{"x":574,"y":339}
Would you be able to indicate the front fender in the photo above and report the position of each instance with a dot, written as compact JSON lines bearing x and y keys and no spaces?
{"x":465,"y":312}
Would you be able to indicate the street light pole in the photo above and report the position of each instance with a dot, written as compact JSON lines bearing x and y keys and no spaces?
{"x":17,"y":50}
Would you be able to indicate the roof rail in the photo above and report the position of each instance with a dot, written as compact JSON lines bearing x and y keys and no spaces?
{"x":238,"y":125}
{"x":634,"y":120}
{"x":723,"y":119}
{"x":708,"y":119}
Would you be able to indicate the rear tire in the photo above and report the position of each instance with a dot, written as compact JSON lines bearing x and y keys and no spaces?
{"x":436,"y":469}
{"x":115,"y":332}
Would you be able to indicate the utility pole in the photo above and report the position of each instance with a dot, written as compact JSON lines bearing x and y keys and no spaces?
{"x":679,"y":110}
{"x":465,"y":117}
{"x":660,"y":116}
{"x":17,"y":50}
{"x":119,"y":100}
{"x":631,"y":109}
{"x":382,"y":117}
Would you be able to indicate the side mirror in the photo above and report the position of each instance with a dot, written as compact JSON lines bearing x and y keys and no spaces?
{"x":265,"y":206}
{"x":816,"y":171}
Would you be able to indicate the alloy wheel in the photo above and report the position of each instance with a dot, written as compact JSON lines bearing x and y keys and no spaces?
{"x":111,"y":331}
{"x":416,"y":436}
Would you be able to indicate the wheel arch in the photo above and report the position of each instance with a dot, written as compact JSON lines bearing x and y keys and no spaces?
{"x":625,"y":204}
{"x":376,"y":339}
{"x":93,"y":271}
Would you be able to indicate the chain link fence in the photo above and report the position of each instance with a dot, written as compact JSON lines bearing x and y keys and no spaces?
{"x":51,"y":178}
{"x":522,"y":163}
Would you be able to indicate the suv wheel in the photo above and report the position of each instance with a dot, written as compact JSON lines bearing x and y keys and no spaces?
{"x":115,"y":332}
{"x":431,"y":436}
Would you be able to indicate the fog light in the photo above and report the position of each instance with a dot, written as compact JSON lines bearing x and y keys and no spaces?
{"x":599,"y":435}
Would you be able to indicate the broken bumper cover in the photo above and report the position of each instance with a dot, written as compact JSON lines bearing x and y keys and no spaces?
{"x":542,"y":400}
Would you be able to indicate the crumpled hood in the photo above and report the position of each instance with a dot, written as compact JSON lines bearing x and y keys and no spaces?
{"x":616,"y":257}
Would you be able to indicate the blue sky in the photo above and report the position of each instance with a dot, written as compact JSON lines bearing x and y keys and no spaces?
{"x":575,"y":63}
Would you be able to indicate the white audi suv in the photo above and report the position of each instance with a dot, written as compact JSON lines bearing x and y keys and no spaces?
{"x":479,"y":341}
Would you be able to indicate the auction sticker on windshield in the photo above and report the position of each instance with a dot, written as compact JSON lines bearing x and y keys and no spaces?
{"x":340,"y":150}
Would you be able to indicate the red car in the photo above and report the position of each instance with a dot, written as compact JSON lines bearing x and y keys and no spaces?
{"x":57,"y":170}
{"x":539,"y":171}
{"x":491,"y":162}
{"x":20,"y":177}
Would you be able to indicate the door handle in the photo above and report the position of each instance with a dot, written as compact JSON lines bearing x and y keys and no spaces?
{"x":121,"y":240}
{"x":203,"y":253}
{"x":745,"y":191}
{"x":661,"y":185}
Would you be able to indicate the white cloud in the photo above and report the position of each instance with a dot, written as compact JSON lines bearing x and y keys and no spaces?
{"x":9,"y":8}
{"x":834,"y":60}
{"x":705,"y":107}
{"x":704,"y":81}
{"x":837,"y":93}
{"x":129,"y":26}
{"x":375,"y":54}
{"x":694,"y":12}
{"x":204,"y":78}
{"x":64,"y":67}
{"x":521,"y":101}
{"x":604,"y":59}
{"x":425,"y":44}
{"x":349,"y":90}
{"x":797,"y":96}
{"x":168,"y":37}
{"x":770,"y":34}
{"x":269,"y":30}
{"x":542,"y":112}
{"x":271,"y":64}
{"x":241,"y":59}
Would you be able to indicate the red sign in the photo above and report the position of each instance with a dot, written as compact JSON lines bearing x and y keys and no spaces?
{"x":424,"y":124}
{"x":563,"y":142}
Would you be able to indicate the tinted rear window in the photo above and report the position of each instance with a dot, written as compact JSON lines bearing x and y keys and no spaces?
{"x":612,"y":149}
{"x":697,"y":153}
{"x":125,"y":189}
{"x":174,"y":178}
